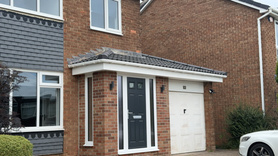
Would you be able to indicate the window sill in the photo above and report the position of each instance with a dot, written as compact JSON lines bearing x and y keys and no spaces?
{"x":140,"y":150}
{"x":38,"y":129}
{"x":89,"y":144}
{"x":107,"y":31}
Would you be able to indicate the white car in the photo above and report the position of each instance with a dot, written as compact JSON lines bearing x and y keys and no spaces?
{"x":262,"y":143}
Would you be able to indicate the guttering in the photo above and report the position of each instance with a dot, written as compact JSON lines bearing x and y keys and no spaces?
{"x":262,"y":10}
{"x":143,"y":66}
{"x":270,"y":12}
{"x":146,"y":6}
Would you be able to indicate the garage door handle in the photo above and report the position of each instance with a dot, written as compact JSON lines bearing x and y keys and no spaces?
{"x":184,"y":110}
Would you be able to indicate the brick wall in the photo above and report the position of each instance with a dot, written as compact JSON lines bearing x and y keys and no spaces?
{"x":217,"y":34}
{"x":78,"y":39}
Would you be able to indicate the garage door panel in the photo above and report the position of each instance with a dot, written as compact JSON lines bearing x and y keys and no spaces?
{"x":187,"y":128}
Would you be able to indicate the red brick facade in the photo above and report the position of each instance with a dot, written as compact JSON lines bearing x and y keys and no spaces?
{"x":78,"y":39}
{"x":217,"y":34}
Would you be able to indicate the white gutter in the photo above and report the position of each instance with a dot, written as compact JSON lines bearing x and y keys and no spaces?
{"x":251,"y":6}
{"x":146,"y":5}
{"x":143,"y":66}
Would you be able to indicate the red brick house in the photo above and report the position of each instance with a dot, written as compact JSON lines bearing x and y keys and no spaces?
{"x":83,"y":99}
{"x":116,"y":99}
{"x":236,"y":36}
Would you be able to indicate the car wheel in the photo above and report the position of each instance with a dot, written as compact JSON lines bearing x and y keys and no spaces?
{"x":260,"y":150}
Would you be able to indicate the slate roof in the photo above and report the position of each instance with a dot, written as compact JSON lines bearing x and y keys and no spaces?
{"x":257,"y":4}
{"x":139,"y":58}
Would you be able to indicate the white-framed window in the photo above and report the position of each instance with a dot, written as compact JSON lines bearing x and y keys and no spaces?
{"x":276,"y":37}
{"x":47,"y":8}
{"x":38,"y":102}
{"x":124,"y":82}
{"x":89,"y":120}
{"x":105,"y":16}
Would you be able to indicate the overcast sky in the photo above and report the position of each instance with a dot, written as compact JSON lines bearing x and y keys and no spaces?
{"x":273,"y":3}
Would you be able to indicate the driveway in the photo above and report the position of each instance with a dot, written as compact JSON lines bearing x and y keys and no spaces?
{"x":218,"y":152}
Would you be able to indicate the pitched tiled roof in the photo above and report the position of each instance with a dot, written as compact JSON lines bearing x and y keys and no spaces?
{"x":139,"y":58}
{"x":257,"y":4}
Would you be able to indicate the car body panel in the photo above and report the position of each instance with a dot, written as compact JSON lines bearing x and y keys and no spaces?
{"x":269,"y":138}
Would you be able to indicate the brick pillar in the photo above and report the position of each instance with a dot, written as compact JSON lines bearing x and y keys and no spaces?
{"x":209,"y":117}
{"x":105,"y":113}
{"x":163,"y":117}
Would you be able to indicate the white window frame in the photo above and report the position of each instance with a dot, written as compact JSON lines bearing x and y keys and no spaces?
{"x":106,"y":22}
{"x":87,"y":142}
{"x":149,"y":148}
{"x":12,"y":7}
{"x":39,"y":128}
{"x":276,"y":37}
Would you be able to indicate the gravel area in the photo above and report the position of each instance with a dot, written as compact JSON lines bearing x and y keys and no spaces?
{"x":218,"y":152}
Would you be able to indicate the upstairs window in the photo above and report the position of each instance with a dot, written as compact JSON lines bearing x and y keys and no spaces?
{"x":48,"y":8}
{"x":106,"y":16}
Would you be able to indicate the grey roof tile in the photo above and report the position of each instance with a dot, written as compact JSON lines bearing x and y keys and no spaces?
{"x":133,"y":57}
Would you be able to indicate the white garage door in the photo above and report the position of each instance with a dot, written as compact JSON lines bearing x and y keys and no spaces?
{"x":187,"y":120}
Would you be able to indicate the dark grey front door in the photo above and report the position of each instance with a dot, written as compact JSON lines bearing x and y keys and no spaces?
{"x":137,"y":113}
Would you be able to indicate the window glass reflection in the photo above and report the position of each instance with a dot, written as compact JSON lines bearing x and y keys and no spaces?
{"x":50,"y":7}
{"x":49,"y":106}
{"x":7,"y":2}
{"x":113,"y":14}
{"x":50,"y":79}
{"x":26,"y":4}
{"x":25,"y":100}
{"x":97,"y":13}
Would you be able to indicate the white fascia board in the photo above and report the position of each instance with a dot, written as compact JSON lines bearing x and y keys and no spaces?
{"x":134,"y":68}
{"x":251,"y":6}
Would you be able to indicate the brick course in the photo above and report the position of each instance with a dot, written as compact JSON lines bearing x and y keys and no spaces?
{"x":217,"y":34}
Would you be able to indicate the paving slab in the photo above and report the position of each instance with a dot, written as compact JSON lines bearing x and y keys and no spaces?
{"x":218,"y":152}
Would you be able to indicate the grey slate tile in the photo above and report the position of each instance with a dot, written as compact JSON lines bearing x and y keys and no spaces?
{"x":127,"y":56}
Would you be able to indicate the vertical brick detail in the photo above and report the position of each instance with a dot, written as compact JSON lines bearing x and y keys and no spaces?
{"x":209,"y":117}
{"x":163,"y":117}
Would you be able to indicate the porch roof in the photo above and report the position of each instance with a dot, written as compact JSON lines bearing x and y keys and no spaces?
{"x":127,"y":58}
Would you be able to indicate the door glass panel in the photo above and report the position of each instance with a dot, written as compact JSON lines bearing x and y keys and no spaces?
{"x":120,"y":105}
{"x":50,"y":79}
{"x":90,"y":109}
{"x":25,"y":100}
{"x":152,"y":113}
{"x":7,"y":2}
{"x":50,"y":7}
{"x":97,"y":13}
{"x":26,"y":4}
{"x":140,"y":85}
{"x":131,"y":85}
{"x":113,"y":14}
{"x":49,"y":106}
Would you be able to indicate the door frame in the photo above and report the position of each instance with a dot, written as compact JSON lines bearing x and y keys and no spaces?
{"x":149,"y":148}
